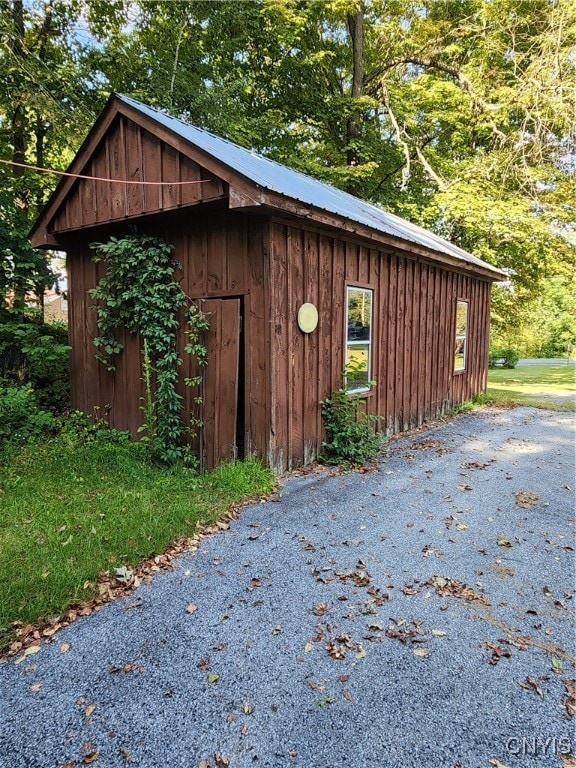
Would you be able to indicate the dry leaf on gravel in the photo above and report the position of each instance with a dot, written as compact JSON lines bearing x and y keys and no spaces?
{"x":570,"y":702}
{"x":525,"y":499}
{"x":530,"y":684}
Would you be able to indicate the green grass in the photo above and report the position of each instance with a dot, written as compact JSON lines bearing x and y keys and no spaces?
{"x":539,"y":386}
{"x":68,"y":512}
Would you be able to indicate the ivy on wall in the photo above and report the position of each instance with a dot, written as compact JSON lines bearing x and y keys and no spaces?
{"x":139,"y":292}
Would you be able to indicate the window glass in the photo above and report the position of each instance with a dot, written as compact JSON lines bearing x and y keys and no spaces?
{"x":461,"y":335}
{"x":358,"y":338}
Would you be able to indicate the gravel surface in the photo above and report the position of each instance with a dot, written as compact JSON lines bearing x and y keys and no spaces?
{"x":380,"y":619}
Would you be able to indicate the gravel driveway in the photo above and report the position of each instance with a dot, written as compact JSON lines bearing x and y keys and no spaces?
{"x":416,"y":616}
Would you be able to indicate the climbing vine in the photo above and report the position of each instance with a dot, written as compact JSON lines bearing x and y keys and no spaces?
{"x":139,"y":292}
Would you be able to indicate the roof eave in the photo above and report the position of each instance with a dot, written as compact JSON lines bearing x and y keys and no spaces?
{"x":283,"y":203}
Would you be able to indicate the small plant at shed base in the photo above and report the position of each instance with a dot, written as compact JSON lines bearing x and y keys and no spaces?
{"x":351,"y":436}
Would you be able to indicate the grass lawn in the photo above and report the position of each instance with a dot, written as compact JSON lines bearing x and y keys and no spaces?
{"x":68,"y":512}
{"x":541,"y":386}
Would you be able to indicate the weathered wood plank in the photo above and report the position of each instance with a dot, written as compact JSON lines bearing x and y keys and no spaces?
{"x":220,"y":390}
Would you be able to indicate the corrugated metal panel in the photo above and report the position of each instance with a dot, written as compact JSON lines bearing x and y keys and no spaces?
{"x":275,"y":177}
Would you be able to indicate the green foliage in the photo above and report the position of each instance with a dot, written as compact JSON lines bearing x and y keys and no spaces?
{"x":23,"y":270}
{"x":77,"y":430}
{"x":456,"y":115}
{"x":21,"y":419}
{"x":351,"y":437}
{"x":35,"y":355}
{"x":503,"y":358}
{"x":140,"y":293}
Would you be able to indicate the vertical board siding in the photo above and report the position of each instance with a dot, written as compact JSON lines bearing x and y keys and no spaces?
{"x":218,"y":255}
{"x":413,"y":336}
{"x":131,"y":153}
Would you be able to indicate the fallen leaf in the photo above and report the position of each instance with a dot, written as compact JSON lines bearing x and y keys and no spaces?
{"x":568,"y":761}
{"x":335,"y":650}
{"x":465,"y":488}
{"x":556,"y":664}
{"x":503,"y":570}
{"x":277,"y":629}
{"x":503,"y":541}
{"x":204,"y":764}
{"x":247,"y":708}
{"x":325,"y":700}
{"x":65,"y":647}
{"x":221,"y":761}
{"x":28,"y":652}
{"x":255,"y":582}
{"x":343,"y":678}
{"x":570,"y":703}
{"x":213,"y":677}
{"x":497,"y":763}
{"x":439,"y":632}
{"x":360,"y":653}
{"x":191,"y":608}
{"x":125,"y":755}
{"x":530,"y":684}
{"x":321,"y":609}
{"x":90,"y":710}
{"x":526,"y":499}
{"x":91,"y":758}
{"x":36,"y":687}
{"x":461,"y":526}
{"x":308,"y":647}
{"x":347,"y":695}
{"x":421,"y":652}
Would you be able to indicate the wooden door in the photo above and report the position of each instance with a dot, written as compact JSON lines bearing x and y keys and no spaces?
{"x":220,"y":381}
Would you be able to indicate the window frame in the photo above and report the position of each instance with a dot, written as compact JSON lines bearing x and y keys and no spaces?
{"x":461,"y":337}
{"x":368,"y":289}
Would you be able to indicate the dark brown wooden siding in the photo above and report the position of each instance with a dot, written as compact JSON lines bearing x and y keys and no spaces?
{"x":413,"y":336}
{"x":222,"y":256}
{"x":131,"y":153}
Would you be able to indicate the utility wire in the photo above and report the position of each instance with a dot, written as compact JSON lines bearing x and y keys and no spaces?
{"x":100,"y":178}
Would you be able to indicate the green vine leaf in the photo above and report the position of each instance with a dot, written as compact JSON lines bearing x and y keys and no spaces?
{"x":139,"y":292}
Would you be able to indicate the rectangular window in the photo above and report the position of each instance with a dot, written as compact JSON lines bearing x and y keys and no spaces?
{"x":461,"y":336}
{"x":358,"y":338}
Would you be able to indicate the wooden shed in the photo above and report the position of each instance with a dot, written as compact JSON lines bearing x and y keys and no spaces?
{"x":257,"y":241}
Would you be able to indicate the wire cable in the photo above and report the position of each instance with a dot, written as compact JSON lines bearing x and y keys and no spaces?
{"x":100,"y":178}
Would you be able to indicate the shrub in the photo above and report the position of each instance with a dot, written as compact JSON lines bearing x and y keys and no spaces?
{"x":35,"y":355}
{"x":505,"y":358}
{"x":20,"y":417}
{"x":350,"y":432}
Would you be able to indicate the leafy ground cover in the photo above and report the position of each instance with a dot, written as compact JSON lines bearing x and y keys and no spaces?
{"x":70,"y":512}
{"x":540,"y":386}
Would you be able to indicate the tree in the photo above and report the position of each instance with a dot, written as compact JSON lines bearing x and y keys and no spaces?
{"x":457,"y":114}
{"x":44,"y":112}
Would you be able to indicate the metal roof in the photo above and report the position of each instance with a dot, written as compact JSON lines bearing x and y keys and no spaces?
{"x":276,"y":177}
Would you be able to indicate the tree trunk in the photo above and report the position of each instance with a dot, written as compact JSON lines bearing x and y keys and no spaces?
{"x":356,"y":30}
